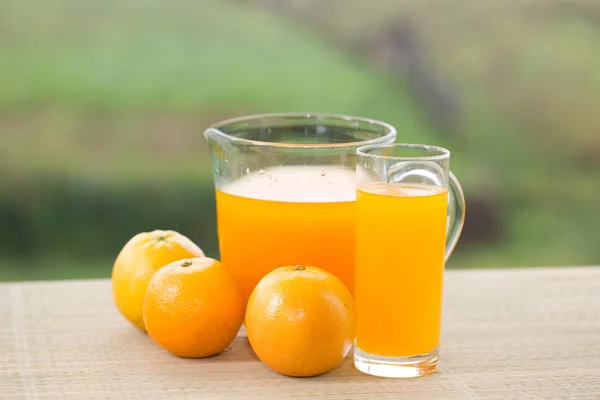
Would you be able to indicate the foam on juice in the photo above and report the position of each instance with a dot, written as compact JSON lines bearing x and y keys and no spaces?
{"x":300,"y":184}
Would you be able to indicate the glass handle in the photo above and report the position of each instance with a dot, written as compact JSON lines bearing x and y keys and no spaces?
{"x":456,"y":214}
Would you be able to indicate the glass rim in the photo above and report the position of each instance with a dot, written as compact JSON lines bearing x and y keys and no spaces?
{"x":390,"y":131}
{"x":442,"y":153}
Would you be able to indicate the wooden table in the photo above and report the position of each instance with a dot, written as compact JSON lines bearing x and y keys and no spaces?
{"x":508,"y":334}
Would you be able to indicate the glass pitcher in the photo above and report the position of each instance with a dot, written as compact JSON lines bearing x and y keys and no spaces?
{"x":285,"y":191}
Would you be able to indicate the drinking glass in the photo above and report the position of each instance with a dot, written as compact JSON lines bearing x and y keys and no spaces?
{"x":409,"y":215}
{"x":285,"y":190}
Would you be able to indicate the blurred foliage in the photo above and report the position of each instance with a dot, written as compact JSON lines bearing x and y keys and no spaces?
{"x":57,"y":223}
{"x":103,"y":104}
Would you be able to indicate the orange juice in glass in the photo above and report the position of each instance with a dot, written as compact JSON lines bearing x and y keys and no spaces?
{"x":286,"y":189}
{"x":402,"y":242}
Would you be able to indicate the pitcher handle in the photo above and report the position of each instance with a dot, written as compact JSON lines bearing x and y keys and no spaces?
{"x":456,"y":214}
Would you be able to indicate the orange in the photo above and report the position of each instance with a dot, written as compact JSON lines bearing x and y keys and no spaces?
{"x":139,"y":259}
{"x":300,"y":321}
{"x":193,"y":308}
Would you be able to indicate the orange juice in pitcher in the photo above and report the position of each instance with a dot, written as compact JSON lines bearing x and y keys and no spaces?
{"x":267,"y":221}
{"x":285,"y":189}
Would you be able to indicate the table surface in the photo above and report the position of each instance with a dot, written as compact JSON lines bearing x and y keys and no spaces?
{"x":507,"y":334}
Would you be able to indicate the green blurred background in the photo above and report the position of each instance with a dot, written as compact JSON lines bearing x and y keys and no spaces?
{"x":103,"y":105}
